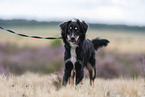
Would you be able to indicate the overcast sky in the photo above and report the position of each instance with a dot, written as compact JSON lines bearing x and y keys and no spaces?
{"x":130,"y":12}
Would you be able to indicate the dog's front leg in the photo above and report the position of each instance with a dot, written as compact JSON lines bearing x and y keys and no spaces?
{"x":67,"y":72}
{"x":79,"y":72}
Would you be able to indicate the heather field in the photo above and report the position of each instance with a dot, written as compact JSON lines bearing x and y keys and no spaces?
{"x":34,"y":67}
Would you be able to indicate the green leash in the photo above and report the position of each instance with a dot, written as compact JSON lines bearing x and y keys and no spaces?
{"x":23,"y":35}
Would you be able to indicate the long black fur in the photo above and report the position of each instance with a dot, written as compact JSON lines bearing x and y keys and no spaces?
{"x":85,"y":52}
{"x":98,"y":43}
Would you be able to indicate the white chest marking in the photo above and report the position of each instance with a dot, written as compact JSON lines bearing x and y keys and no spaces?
{"x":73,"y":53}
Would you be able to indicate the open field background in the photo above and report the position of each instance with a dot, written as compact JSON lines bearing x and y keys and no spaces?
{"x":123,"y":38}
{"x":120,"y":65}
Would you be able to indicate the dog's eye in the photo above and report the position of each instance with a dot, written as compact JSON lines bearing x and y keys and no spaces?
{"x":76,"y":28}
{"x":70,"y":28}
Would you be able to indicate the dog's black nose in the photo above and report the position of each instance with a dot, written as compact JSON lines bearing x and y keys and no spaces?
{"x":72,"y":38}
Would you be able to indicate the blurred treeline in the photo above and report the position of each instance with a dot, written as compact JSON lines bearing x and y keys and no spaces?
{"x":20,"y":22}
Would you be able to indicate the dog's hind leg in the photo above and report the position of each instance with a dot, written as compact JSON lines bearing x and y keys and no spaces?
{"x":92,"y":70}
{"x":67,"y":72}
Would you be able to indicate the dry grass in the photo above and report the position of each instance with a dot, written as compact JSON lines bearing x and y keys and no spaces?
{"x":35,"y":85}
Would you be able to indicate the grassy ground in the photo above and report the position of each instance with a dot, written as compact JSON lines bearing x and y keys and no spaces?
{"x":35,"y":85}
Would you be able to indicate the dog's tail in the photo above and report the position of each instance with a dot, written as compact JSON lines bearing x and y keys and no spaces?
{"x":98,"y":43}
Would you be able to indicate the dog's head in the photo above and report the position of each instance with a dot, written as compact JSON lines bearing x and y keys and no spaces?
{"x":73,"y":31}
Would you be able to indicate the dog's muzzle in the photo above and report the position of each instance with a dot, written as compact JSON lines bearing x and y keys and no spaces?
{"x":73,"y":39}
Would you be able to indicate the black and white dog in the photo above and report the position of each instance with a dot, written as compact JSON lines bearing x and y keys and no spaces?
{"x":79,"y":51}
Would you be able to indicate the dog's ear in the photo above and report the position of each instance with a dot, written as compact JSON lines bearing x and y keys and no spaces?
{"x":83,"y":25}
{"x":63,"y":26}
{"x":64,"y":29}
